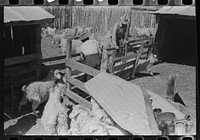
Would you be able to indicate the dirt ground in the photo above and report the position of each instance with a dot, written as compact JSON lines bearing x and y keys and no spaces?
{"x":186,"y":87}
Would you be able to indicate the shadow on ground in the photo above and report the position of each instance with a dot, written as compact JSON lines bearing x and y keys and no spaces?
{"x":22,"y":125}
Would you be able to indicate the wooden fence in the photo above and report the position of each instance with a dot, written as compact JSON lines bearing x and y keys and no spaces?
{"x":127,"y":64}
{"x":100,"y":18}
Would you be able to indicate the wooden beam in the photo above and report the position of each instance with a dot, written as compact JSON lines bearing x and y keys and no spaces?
{"x":149,"y":111}
{"x":104,"y":60}
{"x":58,"y":58}
{"x":111,"y":59}
{"x":76,"y":83}
{"x":78,"y":99}
{"x":125,"y":58}
{"x":139,"y":39}
{"x":119,"y":67}
{"x":21,"y":23}
{"x":53,"y":58}
{"x":81,"y":67}
{"x":19,"y":59}
{"x":132,"y":74}
{"x":68,"y":56}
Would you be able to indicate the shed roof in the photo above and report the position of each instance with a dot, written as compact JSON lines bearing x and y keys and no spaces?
{"x":176,"y":10}
{"x":145,"y":8}
{"x":25,"y":13}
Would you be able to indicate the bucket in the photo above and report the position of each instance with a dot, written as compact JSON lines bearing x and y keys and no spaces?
{"x":180,"y":128}
{"x":168,"y":117}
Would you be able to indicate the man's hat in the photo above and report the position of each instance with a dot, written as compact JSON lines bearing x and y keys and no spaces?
{"x":124,"y":19}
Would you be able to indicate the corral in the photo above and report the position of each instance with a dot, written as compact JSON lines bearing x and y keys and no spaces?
{"x":125,"y":70}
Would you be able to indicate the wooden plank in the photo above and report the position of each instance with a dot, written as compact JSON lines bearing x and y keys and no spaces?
{"x":125,"y":58}
{"x":76,"y":83}
{"x":132,"y":74}
{"x":78,"y":99}
{"x":58,"y":58}
{"x":53,"y":58}
{"x":139,"y":39}
{"x":19,"y":59}
{"x":111,"y":61}
{"x":149,"y":111}
{"x":104,"y":60}
{"x":119,"y":67}
{"x":68,"y":56}
{"x":81,"y":67}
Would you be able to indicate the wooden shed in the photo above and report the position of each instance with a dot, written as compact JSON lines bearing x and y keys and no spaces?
{"x":22,"y":53}
{"x":176,"y":34}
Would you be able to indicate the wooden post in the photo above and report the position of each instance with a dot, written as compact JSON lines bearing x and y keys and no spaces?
{"x":111,"y":59}
{"x":38,"y":50}
{"x":104,"y":60}
{"x":133,"y":70}
{"x":68,"y":55}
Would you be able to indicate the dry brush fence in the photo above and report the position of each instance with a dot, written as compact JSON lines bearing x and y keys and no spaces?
{"x":100,"y":18}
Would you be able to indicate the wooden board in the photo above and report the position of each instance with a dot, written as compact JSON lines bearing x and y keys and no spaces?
{"x":81,"y":67}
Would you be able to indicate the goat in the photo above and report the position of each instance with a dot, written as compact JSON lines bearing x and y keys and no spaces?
{"x":38,"y":92}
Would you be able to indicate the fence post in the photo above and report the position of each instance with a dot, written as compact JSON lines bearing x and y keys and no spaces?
{"x":68,"y":56}
{"x":133,"y":70}
{"x":111,"y":59}
{"x":104,"y":60}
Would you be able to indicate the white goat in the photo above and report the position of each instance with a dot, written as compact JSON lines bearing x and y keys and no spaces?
{"x":38,"y":92}
{"x":143,"y":32}
{"x":51,"y":31}
{"x":57,"y":38}
{"x":55,"y":117}
{"x":75,"y":46}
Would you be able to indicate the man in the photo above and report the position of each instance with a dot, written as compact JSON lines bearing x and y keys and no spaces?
{"x":119,"y":31}
{"x":90,"y":51}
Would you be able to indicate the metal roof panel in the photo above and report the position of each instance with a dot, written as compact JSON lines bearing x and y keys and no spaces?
{"x":178,"y":10}
{"x":25,"y":13}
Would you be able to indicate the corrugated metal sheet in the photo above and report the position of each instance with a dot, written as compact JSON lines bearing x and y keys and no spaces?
{"x":177,"y":10}
{"x":146,"y":8}
{"x":124,"y":102}
{"x":25,"y":13}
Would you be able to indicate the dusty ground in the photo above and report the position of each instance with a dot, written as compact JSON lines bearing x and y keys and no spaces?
{"x":186,"y":88}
